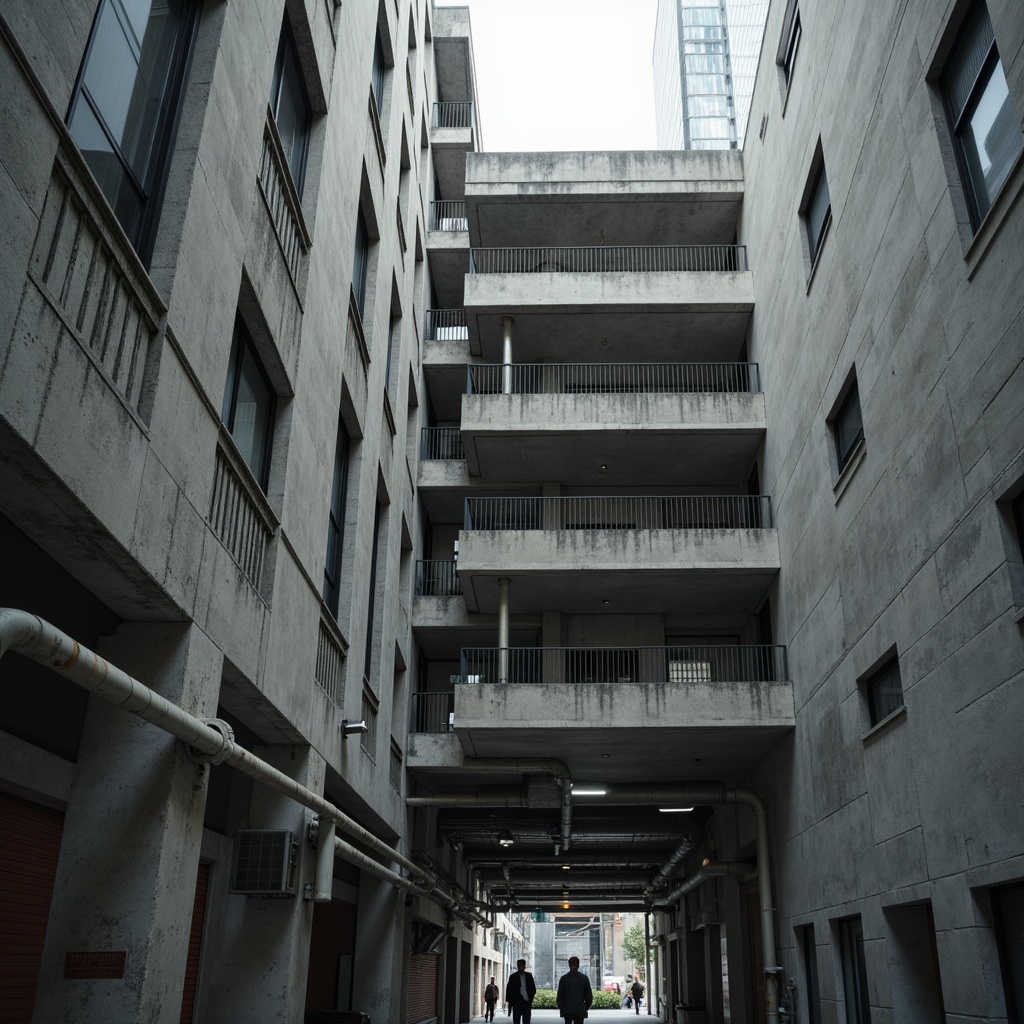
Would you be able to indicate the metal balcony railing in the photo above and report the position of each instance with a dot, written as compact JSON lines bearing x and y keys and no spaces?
{"x":676,"y":512}
{"x":452,"y":115}
{"x":753,"y":663}
{"x":433,"y":712}
{"x":605,"y":259}
{"x":437,"y":578}
{"x":446,"y":325}
{"x":611,"y":378}
{"x":441,"y":443}
{"x":448,"y":215}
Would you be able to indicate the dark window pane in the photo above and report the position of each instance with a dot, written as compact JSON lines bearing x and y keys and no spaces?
{"x":291,"y":109}
{"x":336,"y":521}
{"x":249,"y":404}
{"x":818,"y":209}
{"x":377,"y":74}
{"x":362,"y":260}
{"x":848,"y":427}
{"x":1008,"y":904}
{"x":885,"y":691}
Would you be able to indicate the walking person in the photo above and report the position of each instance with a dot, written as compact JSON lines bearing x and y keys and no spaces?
{"x":636,"y":990}
{"x":574,"y":994}
{"x":491,"y":994}
{"x":519,"y":993}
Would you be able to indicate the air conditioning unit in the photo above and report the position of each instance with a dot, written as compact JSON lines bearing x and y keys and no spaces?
{"x":266,"y":862}
{"x":703,"y":919}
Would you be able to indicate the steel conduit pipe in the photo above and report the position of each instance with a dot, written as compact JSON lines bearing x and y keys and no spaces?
{"x":686,"y":846}
{"x":706,"y":873}
{"x":719,"y":793}
{"x":44,"y":643}
{"x":549,"y":765}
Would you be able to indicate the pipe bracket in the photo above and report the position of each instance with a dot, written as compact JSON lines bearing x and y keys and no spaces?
{"x":228,"y":736}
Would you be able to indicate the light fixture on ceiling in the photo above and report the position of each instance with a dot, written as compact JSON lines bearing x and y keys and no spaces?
{"x":606,"y":601}
{"x":505,"y":838}
{"x":565,"y":906}
{"x":566,"y":867}
{"x":589,"y":791}
{"x":606,"y":755}
{"x":604,"y":467}
{"x":675,"y":810}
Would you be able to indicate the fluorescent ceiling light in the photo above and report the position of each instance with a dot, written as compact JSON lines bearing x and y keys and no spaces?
{"x":675,"y":810}
{"x":588,"y":791}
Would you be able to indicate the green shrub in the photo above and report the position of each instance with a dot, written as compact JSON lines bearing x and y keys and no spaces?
{"x":545,"y":999}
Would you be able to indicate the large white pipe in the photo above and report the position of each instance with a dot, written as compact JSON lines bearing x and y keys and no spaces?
{"x":506,"y":355}
{"x":44,"y":643}
{"x":503,"y":619}
{"x":323,"y":878}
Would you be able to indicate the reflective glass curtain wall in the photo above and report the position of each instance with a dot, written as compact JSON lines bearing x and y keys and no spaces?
{"x":710,"y":121}
{"x":744,"y":24}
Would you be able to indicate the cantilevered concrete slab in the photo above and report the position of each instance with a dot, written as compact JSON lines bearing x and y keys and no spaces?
{"x":614,"y":315}
{"x":604,"y":198}
{"x":670,"y":439}
{"x":619,"y":570}
{"x":448,"y":253}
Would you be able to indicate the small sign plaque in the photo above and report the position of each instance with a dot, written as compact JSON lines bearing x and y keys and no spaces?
{"x":96,"y":964}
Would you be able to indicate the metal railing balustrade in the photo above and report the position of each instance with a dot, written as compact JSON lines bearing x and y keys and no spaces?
{"x":437,"y":578}
{"x":448,"y":215}
{"x":704,"y":663}
{"x":611,"y":378}
{"x":614,"y":512}
{"x":441,"y":443}
{"x":452,"y":115}
{"x":432,"y":712}
{"x":446,"y":325}
{"x":606,"y":259}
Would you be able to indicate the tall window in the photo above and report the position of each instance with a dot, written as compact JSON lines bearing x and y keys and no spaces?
{"x":361,"y":264}
{"x":855,"y":975}
{"x":289,"y":104}
{"x":848,"y":427}
{"x":792,"y":45}
{"x":371,"y":604}
{"x":1008,"y":907}
{"x":249,"y":405}
{"x":810,"y":951}
{"x":983,"y":123}
{"x":377,"y":73}
{"x":884,"y":691}
{"x":817,"y":212}
{"x":336,"y":521}
{"x":125,"y":106}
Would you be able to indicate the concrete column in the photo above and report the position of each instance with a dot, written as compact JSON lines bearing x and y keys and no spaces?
{"x":379,"y":963}
{"x":126,"y":874}
{"x":506,"y":355}
{"x":263,"y":961}
{"x":503,"y":587}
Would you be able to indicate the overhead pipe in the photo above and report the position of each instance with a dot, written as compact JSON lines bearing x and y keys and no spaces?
{"x":550,"y":765}
{"x":208,"y":741}
{"x":686,"y":846}
{"x":719,"y":793}
{"x":705,"y":874}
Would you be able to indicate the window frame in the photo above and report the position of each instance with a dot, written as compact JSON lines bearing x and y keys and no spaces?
{"x":1011,"y":991}
{"x":378,"y":74}
{"x":361,"y":263}
{"x":286,"y":48}
{"x":336,"y":520}
{"x":856,"y":1001}
{"x":148,"y":190}
{"x":844,"y":456}
{"x":816,"y":238}
{"x":792,"y":45}
{"x":242,"y":345}
{"x":978,"y":203}
{"x":886,"y":672}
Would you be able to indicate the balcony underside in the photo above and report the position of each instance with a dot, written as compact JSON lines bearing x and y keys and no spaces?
{"x":663,"y":321}
{"x":448,"y":253}
{"x":450,"y":146}
{"x":635,"y":440}
{"x":443,"y":626}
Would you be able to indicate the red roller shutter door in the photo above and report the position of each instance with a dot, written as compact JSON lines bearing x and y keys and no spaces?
{"x":29,"y":846}
{"x":421,"y":1003}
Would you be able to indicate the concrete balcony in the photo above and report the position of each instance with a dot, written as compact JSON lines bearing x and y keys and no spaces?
{"x":608,"y":554}
{"x":612,"y":198}
{"x":725,"y":706}
{"x":658,"y":424}
{"x":448,"y":250}
{"x":641,"y":302}
{"x":453,"y":134}
{"x":445,"y":355}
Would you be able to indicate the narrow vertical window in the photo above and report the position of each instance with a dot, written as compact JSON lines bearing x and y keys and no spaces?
{"x":249,"y":405}
{"x":884,"y":691}
{"x":818,"y":212}
{"x":792,"y":45}
{"x":289,"y":104}
{"x":848,"y":427}
{"x":371,"y":603}
{"x":810,"y":951}
{"x":336,"y":521}
{"x":855,"y":975}
{"x":377,"y":74}
{"x":392,"y":330}
{"x":983,"y":123}
{"x":361,"y":264}
{"x":124,"y":110}
{"x":1008,"y":908}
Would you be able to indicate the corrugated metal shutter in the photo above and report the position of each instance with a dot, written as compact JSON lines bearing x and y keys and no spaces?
{"x":421,"y":1003}
{"x":195,"y":941}
{"x":29,"y":845}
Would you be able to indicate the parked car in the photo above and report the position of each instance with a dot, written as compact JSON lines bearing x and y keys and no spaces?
{"x":611,"y":984}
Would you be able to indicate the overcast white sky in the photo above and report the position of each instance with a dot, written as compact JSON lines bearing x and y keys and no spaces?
{"x":564,"y":74}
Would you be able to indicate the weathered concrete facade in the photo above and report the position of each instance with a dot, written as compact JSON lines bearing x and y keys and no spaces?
{"x":554,"y":525}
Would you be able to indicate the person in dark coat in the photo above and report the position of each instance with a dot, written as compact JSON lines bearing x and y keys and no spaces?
{"x":636,"y":990}
{"x":491,"y":994}
{"x":574,"y":994}
{"x":519,"y":993}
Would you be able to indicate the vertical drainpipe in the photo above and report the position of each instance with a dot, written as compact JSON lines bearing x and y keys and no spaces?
{"x":503,"y":585}
{"x":506,"y":355}
{"x":648,"y":973}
